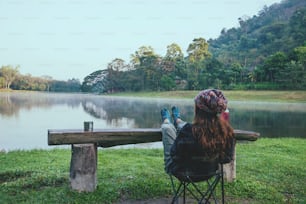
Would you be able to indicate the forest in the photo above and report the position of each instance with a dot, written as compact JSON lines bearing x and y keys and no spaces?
{"x":265,"y":52}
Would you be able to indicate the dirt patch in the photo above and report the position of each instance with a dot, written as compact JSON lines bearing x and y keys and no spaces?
{"x":166,"y":200}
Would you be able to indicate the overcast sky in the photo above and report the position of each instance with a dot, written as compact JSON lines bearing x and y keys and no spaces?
{"x":68,"y":39}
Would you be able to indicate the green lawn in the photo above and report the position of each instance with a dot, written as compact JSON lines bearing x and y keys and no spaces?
{"x":268,"y":171}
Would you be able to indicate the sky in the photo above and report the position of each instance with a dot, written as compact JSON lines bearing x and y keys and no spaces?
{"x":68,"y":39}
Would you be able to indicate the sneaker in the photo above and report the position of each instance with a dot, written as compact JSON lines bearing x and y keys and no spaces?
{"x":165,"y":114}
{"x":175,"y":114}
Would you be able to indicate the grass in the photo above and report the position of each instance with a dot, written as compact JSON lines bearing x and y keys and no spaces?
{"x":268,"y":171}
{"x":271,"y":96}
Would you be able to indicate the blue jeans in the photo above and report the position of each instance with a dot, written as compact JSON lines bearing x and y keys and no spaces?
{"x":169,"y":134}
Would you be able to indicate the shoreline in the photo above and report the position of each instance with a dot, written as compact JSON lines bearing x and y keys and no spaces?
{"x":290,"y":96}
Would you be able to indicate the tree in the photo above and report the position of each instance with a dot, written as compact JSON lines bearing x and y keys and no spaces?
{"x":9,"y":73}
{"x":174,"y":52}
{"x":117,"y":65}
{"x":293,"y":76}
{"x":243,"y":23}
{"x":298,"y":24}
{"x":300,"y":54}
{"x":48,"y":80}
{"x":214,"y":69}
{"x":115,"y":68}
{"x":95,"y":82}
{"x":173,"y":55}
{"x":237,"y":70}
{"x":198,"y":50}
{"x":252,"y":75}
{"x":23,"y":82}
{"x":72,"y":85}
{"x":274,"y":64}
{"x":2,"y":82}
{"x":167,"y":83}
{"x":151,"y":67}
{"x":143,"y":51}
{"x":148,"y":66}
{"x":197,"y":53}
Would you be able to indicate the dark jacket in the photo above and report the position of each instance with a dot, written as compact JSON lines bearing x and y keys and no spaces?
{"x":186,"y":152}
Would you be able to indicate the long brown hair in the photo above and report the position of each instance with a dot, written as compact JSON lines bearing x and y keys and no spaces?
{"x":213,"y":133}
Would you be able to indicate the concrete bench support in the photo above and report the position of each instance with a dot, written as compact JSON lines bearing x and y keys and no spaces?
{"x":230,"y":169}
{"x":83,"y":165}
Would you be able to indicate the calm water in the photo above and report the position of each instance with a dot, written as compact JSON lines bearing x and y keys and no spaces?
{"x":26,"y":117}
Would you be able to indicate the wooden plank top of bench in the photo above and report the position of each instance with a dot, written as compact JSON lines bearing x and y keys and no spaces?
{"x":113,"y":137}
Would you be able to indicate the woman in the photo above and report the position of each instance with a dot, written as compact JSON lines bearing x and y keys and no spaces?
{"x":209,"y":136}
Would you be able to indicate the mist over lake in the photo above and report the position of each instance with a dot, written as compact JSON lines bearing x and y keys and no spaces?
{"x":25,"y":117}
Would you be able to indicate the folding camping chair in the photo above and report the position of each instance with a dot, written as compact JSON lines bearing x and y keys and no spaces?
{"x":191,"y":177}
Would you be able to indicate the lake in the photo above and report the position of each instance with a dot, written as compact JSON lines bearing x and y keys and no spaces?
{"x":25,"y":117}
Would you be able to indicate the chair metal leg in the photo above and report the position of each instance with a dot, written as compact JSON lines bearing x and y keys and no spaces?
{"x":222,"y":183}
{"x":184,"y":193}
{"x":177,"y":191}
{"x":197,"y":190}
{"x":210,"y":191}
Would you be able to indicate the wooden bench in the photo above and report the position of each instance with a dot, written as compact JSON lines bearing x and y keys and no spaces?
{"x":85,"y":141}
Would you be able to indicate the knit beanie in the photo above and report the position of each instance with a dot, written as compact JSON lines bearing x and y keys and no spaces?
{"x":211,"y":101}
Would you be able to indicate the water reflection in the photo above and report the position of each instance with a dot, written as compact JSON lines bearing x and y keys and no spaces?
{"x":271,"y":119}
{"x":12,"y":103}
{"x":31,"y":114}
{"x":144,"y":113}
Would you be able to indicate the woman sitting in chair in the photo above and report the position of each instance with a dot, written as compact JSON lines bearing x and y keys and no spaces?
{"x":209,"y":137}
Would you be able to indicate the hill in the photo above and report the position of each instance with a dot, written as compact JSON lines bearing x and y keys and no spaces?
{"x":278,"y":28}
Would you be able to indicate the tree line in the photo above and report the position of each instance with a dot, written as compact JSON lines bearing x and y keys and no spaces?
{"x":10,"y":78}
{"x":198,"y":70}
